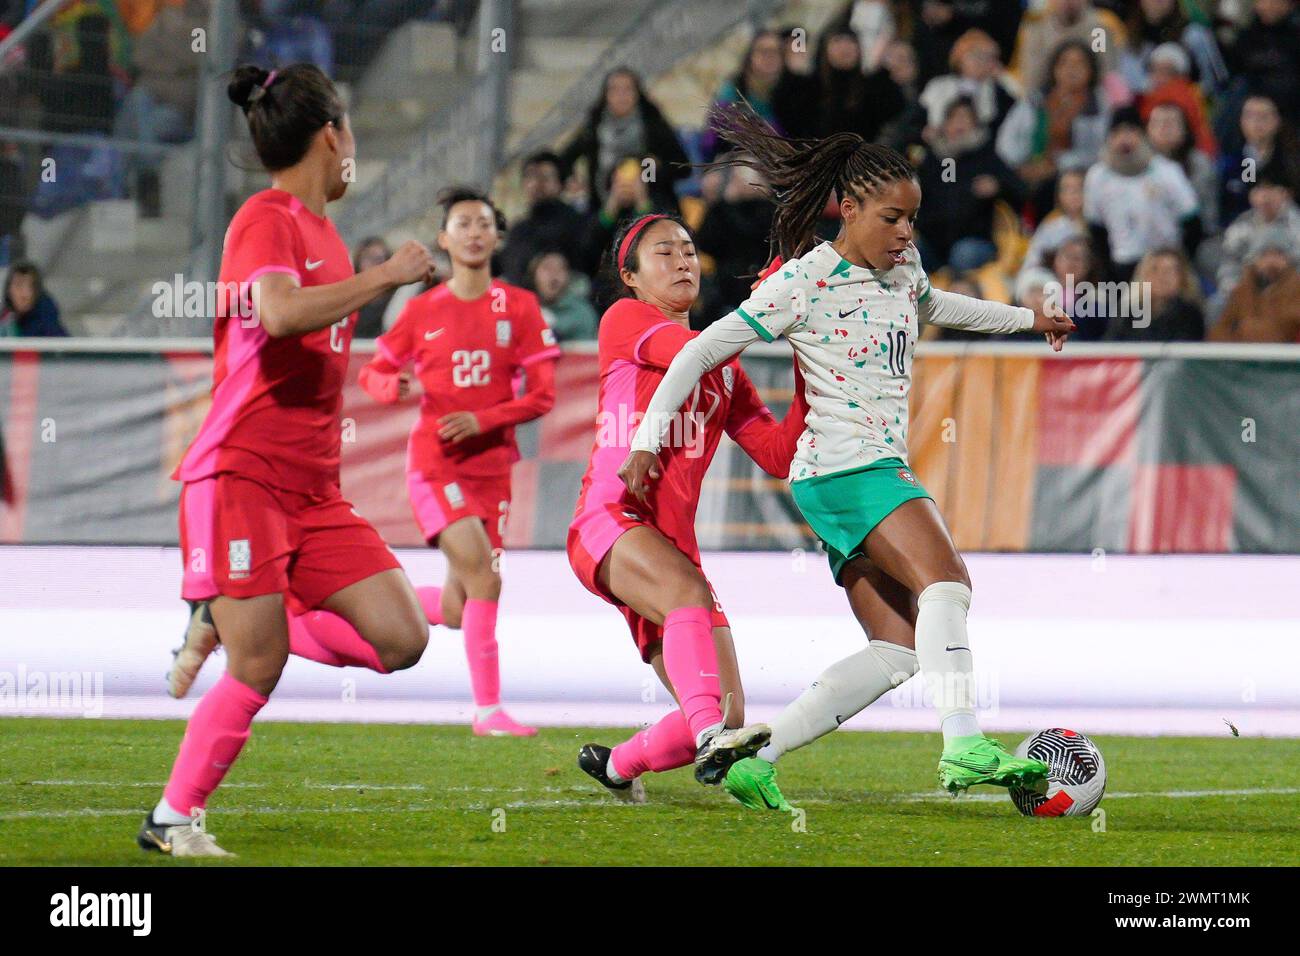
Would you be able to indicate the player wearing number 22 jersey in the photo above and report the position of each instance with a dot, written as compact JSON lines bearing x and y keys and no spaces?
{"x":469,"y":356}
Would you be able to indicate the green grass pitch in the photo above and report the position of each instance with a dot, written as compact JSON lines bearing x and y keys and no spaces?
{"x":74,"y":791}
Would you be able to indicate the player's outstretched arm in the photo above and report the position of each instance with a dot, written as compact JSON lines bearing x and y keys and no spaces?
{"x":951,"y":310}
{"x":286,"y":308}
{"x":726,"y":337}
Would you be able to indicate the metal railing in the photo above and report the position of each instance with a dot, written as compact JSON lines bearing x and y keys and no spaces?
{"x":456,"y":149}
{"x":1202,"y":351}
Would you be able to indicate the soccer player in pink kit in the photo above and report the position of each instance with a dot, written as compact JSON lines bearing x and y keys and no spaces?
{"x":470,"y":339}
{"x":639,"y":552}
{"x":267,"y":540}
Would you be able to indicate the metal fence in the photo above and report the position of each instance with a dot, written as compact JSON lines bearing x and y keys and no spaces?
{"x":116,"y":137}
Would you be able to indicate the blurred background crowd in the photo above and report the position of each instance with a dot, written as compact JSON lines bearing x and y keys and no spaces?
{"x":1064,"y":141}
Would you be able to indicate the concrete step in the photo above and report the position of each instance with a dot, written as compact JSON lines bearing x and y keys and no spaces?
{"x":176,"y":183}
{"x":414,"y":109}
{"x":577,"y":18}
{"x":46,"y":237}
{"x":417,"y":49}
{"x":534,"y":92}
{"x":557,"y":53}
{"x":112,"y":282}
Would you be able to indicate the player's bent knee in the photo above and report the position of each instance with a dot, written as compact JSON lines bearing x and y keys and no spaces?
{"x":690,"y":591}
{"x":953,"y":572}
{"x":481,"y":581}
{"x":261,"y":672}
{"x":405,"y":650}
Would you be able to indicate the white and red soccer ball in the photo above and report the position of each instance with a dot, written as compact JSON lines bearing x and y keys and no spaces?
{"x":1076,"y":776}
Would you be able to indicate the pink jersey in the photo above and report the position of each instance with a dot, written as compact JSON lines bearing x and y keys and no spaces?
{"x":467,"y":356}
{"x":275,"y":401}
{"x":636,"y":344}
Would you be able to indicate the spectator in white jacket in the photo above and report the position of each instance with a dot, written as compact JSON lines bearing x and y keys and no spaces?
{"x":977,"y":75}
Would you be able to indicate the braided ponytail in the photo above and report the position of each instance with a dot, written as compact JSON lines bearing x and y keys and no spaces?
{"x":803,"y":173}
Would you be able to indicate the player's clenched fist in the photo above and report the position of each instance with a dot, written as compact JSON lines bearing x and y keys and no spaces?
{"x":412,"y":262}
{"x":640,"y":468}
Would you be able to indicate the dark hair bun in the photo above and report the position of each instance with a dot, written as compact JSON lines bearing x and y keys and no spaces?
{"x":246,"y":79}
{"x":285,"y":108}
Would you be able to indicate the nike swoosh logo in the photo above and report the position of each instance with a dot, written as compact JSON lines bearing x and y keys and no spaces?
{"x":845,"y":315}
{"x":702,"y":674}
{"x":312,"y":266}
{"x":433,"y":335}
{"x":766,"y":802}
{"x":838,"y":720}
{"x":958,"y":647}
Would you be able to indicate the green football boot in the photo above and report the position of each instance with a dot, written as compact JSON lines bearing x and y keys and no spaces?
{"x":752,"y":781}
{"x":968,"y":761}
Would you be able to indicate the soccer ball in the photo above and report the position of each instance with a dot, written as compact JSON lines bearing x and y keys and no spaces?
{"x":1076,"y":776}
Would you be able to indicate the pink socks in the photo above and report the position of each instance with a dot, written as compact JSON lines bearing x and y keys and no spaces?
{"x":479,"y":622}
{"x":431,"y":602}
{"x":327,"y":638}
{"x":213,"y":738}
{"x":691,"y":661}
{"x":663,"y":746}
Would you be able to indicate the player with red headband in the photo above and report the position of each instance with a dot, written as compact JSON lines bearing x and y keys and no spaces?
{"x":639,"y":552}
{"x":470,"y":339}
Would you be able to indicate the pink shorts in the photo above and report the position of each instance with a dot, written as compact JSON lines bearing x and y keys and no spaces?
{"x":439,"y":500}
{"x":242,"y":539}
{"x":596,"y":530}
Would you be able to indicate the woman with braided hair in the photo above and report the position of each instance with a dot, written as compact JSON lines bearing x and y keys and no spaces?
{"x":851,"y":309}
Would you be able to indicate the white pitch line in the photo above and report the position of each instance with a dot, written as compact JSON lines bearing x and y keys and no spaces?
{"x":136,"y":811}
{"x":1119,"y":795}
{"x":114,"y":784}
{"x":557,"y":804}
{"x":281,"y":811}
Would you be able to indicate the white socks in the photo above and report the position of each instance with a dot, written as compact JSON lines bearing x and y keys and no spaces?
{"x":610,"y":772}
{"x":842,"y":690}
{"x":944,"y":655}
{"x":167,"y":816}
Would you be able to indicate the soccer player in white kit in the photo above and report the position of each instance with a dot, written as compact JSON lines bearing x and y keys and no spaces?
{"x":852,"y":309}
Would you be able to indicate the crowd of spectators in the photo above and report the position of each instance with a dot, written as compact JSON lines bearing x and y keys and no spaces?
{"x":1056,"y":141}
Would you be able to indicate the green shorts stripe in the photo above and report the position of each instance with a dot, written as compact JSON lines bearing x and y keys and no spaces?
{"x":842,"y":508}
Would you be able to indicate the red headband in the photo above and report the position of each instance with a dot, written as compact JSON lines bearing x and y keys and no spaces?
{"x":631,"y":234}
